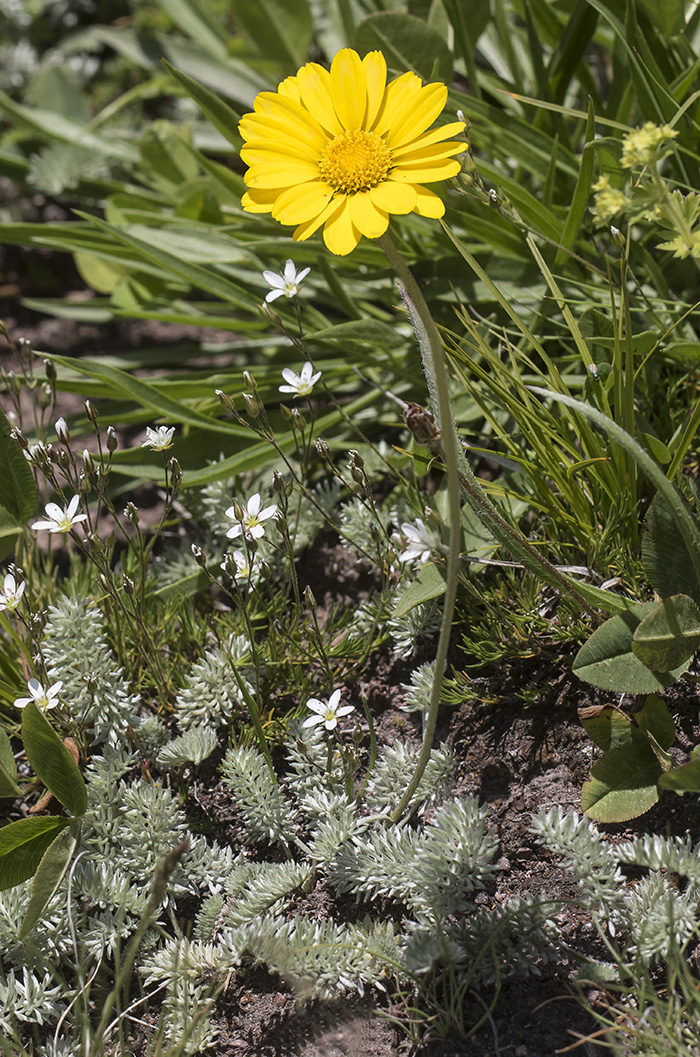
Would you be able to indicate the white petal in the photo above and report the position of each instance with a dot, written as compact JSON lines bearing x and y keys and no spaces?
{"x":254,"y":504}
{"x":273,"y":295}
{"x":289,"y":376}
{"x":72,"y":506}
{"x":267,"y":512}
{"x":334,"y":699}
{"x":273,"y":279}
{"x":54,"y":511}
{"x":310,"y":722}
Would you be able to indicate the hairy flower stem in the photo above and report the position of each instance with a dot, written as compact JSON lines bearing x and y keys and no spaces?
{"x":436,"y":377}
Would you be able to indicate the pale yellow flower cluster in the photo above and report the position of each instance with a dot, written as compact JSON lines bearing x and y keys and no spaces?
{"x":641,"y":145}
{"x":608,"y":201}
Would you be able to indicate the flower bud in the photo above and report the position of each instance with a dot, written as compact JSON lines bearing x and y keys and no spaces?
{"x":131,"y":513}
{"x":431,"y":516}
{"x":249,"y":381}
{"x":356,"y":474}
{"x":175,"y":472}
{"x":24,"y":347}
{"x":112,"y":442}
{"x":494,"y":200}
{"x":62,"y":458}
{"x":252,"y":404}
{"x":238,"y":511}
{"x":50,"y":371}
{"x":19,"y":437}
{"x":226,"y":400}
{"x":264,"y":569}
{"x":357,"y":459}
{"x":618,"y":239}
{"x":62,"y":431}
{"x":128,"y":585}
{"x":322,"y":448}
{"x":277,"y":482}
{"x":309,"y":597}
{"x":84,"y":485}
{"x":88,"y":461}
{"x":45,"y":395}
{"x":286,"y":412}
{"x":14,"y":384}
{"x":297,"y":420}
{"x":199,"y":556}
{"x":91,"y":412}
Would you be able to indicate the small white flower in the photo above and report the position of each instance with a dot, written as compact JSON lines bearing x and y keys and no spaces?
{"x":421,"y":542}
{"x":327,"y":712}
{"x":11,"y":593}
{"x":43,"y":699}
{"x":244,"y":565}
{"x":287,"y":283}
{"x":159,"y":439}
{"x":300,"y":384}
{"x":250,"y":525}
{"x":61,"y":520}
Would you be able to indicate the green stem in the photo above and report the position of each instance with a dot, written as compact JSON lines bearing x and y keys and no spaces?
{"x":436,"y":377}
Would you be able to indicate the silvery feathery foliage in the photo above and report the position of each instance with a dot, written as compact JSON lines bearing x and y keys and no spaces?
{"x":177,"y":563}
{"x":211,"y":694}
{"x":421,"y":622}
{"x":29,"y":998}
{"x":650,"y":918}
{"x":357,"y":521}
{"x":194,"y":746}
{"x":396,"y":762}
{"x":419,"y":689}
{"x":94,"y":686}
{"x":266,"y":813}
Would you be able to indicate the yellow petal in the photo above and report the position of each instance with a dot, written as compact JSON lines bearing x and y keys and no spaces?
{"x":296,"y":205}
{"x":429,"y":155}
{"x":285,"y":110}
{"x":289,"y":87}
{"x":315,"y":88}
{"x":259,"y":201}
{"x":403,"y":88}
{"x":374,"y":65}
{"x":285,"y":146}
{"x":280,"y":173}
{"x":394,"y":197}
{"x":369,"y":220}
{"x":444,"y":132}
{"x":349,"y":88}
{"x":340,"y":234}
{"x":305,"y":230}
{"x":263,"y":131}
{"x":428,"y":174}
{"x":428,"y":204}
{"x":413,"y":116}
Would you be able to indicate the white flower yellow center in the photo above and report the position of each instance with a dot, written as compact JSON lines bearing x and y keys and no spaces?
{"x":355,"y":161}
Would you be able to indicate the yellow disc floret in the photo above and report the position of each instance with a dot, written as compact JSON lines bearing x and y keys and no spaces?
{"x":355,"y":161}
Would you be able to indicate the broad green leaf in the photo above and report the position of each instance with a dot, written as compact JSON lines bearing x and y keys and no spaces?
{"x":607,"y":659}
{"x":669,"y":635}
{"x":148,"y":396}
{"x":99,"y":275}
{"x":224,"y":119}
{"x":194,"y":274}
{"x":279,"y":30}
{"x":365,"y":330}
{"x":407,"y":43}
{"x":623,"y":784}
{"x":184,"y":588}
{"x":666,"y":15}
{"x":22,"y":846}
{"x":683,"y":779}
{"x":56,"y":127}
{"x":609,"y":728}
{"x":51,"y":760}
{"x":8,"y":769}
{"x":17,"y":489}
{"x":655,"y":718}
{"x":198,"y":23}
{"x":428,"y":584}
{"x":192,"y":242}
{"x":54,"y":863}
{"x":665,"y":555}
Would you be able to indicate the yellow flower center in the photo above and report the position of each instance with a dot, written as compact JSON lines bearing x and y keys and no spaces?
{"x":355,"y":161}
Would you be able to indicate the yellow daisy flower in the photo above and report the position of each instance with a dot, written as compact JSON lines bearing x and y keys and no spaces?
{"x":344,"y":149}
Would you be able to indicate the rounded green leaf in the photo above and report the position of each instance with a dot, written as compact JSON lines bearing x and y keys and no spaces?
{"x":608,"y":661}
{"x":665,"y":555}
{"x":51,"y":760}
{"x":623,"y":784}
{"x":22,"y":845}
{"x":669,"y":635}
{"x":684,"y":779}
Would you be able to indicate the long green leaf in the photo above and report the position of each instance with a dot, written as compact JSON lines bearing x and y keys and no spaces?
{"x":22,"y":845}
{"x":8,"y":769}
{"x":50,"y":872}
{"x":221,"y":115}
{"x":51,"y":760}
